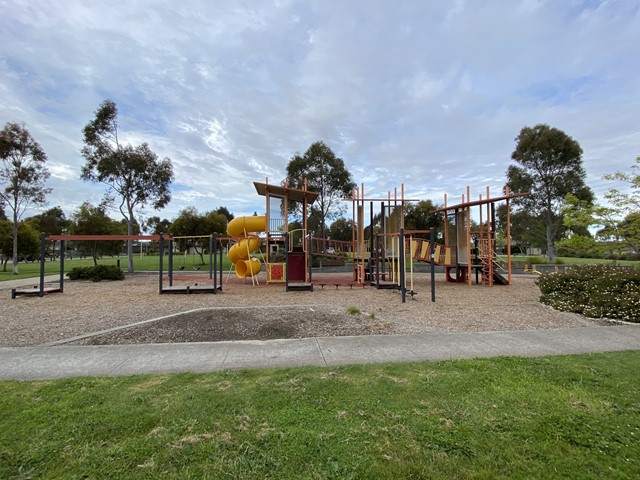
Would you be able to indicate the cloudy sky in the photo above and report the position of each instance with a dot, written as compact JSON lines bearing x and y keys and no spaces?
{"x":429,"y":94}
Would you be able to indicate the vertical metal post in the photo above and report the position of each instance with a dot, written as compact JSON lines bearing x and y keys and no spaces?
{"x":432,"y":240}
{"x":220,"y":265}
{"x":42,"y":255}
{"x":211,"y":256}
{"x":382,"y":253}
{"x":378,"y":262}
{"x":403,"y":288}
{"x":160,"y":265}
{"x":170,"y":266}
{"x":286,"y":260}
{"x":63,"y":248}
{"x":213,"y":262}
{"x":310,"y":262}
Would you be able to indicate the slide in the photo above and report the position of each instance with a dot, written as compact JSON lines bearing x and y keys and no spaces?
{"x":245,"y":229}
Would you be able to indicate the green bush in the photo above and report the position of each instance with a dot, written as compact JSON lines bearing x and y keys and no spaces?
{"x":96,"y":273}
{"x":595,"y":291}
{"x":537,"y":260}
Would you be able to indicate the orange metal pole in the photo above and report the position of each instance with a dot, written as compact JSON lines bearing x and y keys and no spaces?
{"x":362,"y":236}
{"x":402,"y":206}
{"x":480,"y":245}
{"x":469,"y":260}
{"x":508,"y":235}
{"x":446,"y":222}
{"x":491,"y":239}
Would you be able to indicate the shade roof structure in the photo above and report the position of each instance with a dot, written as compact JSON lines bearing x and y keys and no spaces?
{"x":475,"y":203}
{"x":291,"y":193}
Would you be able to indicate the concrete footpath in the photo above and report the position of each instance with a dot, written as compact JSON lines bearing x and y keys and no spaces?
{"x":46,"y":362}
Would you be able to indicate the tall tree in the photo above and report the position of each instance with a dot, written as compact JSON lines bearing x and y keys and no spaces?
{"x":326,"y":174}
{"x":93,"y":220}
{"x":548,"y":166}
{"x":23,"y":175}
{"x":133,"y":174}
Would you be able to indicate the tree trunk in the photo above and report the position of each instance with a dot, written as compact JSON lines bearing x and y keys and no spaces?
{"x":129,"y":245}
{"x":550,"y":248}
{"x":15,"y":240}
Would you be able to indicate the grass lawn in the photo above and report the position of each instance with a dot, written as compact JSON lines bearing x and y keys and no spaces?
{"x":145,"y":263}
{"x":552,"y":417}
{"x":571,"y":260}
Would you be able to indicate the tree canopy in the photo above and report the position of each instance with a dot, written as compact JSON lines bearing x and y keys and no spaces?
{"x":341,"y":229}
{"x":617,"y":223}
{"x":548,"y":166}
{"x":28,"y":242}
{"x":421,"y":216}
{"x":23,"y":176}
{"x":326,"y":174}
{"x":135,"y":176}
{"x":190,"y":222}
{"x":93,"y":220}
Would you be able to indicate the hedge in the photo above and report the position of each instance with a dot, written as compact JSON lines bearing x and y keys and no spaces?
{"x":596,"y":291}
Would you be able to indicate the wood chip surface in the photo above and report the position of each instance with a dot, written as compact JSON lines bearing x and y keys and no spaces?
{"x":86,"y":308}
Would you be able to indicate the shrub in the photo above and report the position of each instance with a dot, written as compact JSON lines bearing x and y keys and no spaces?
{"x":595,"y":291}
{"x":537,"y":260}
{"x":353,"y":310}
{"x":96,"y":273}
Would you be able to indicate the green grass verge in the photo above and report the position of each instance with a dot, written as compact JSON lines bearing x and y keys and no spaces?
{"x":553,"y":417}
{"x":147,"y":263}
{"x":541,"y":259}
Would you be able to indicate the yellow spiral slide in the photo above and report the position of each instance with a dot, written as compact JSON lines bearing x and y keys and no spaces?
{"x":245,"y":230}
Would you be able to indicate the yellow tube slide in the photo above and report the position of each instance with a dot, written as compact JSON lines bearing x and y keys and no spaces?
{"x":241,"y":226}
{"x":240,"y":253}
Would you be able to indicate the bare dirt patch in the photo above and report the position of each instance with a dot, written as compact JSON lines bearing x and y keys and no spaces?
{"x":250,"y":323}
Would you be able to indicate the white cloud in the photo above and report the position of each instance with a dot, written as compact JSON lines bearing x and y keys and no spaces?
{"x":423,"y":93}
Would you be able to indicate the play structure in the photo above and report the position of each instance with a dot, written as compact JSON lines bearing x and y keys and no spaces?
{"x":193,"y":284}
{"x":268,"y":239}
{"x":473,"y":248}
{"x":211,"y":285}
{"x":385,"y":253}
{"x":382,"y":252}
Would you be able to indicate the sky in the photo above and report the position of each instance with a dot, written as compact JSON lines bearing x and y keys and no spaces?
{"x":427,"y":94}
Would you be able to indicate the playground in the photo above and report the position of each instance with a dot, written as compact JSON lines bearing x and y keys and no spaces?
{"x":243,"y":312}
{"x":394,"y":281}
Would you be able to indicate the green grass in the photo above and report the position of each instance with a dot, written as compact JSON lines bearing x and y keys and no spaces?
{"x":541,"y":259}
{"x":553,"y":417}
{"x":142,"y":264}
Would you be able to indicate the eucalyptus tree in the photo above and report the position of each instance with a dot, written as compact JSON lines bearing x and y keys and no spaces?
{"x":326,"y":174}
{"x":548,"y":166}
{"x":23,"y":176}
{"x":134,"y":175}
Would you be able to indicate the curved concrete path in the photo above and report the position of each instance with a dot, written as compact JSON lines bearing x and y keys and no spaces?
{"x":46,"y":362}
